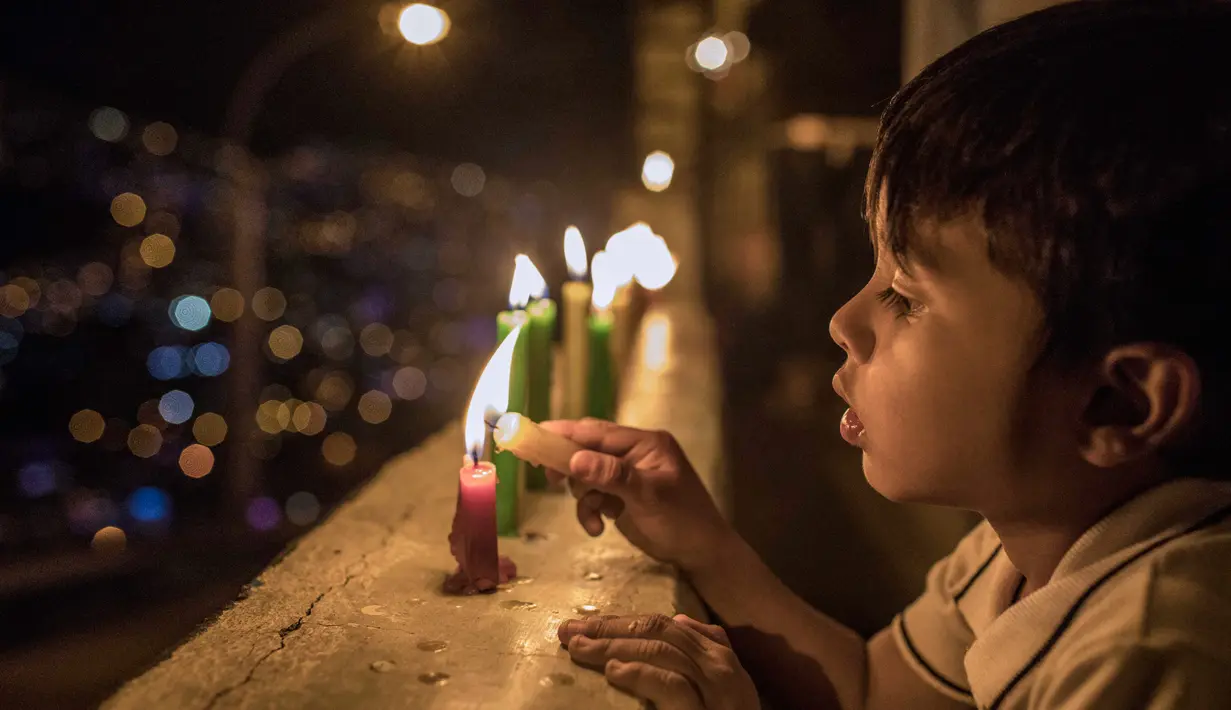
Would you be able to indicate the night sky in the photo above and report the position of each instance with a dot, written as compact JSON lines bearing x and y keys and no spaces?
{"x":534,"y":90}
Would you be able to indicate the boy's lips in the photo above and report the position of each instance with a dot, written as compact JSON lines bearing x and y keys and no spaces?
{"x":850,"y":427}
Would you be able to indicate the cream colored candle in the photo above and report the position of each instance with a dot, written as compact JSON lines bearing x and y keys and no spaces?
{"x":532,"y":443}
{"x":575,"y":302}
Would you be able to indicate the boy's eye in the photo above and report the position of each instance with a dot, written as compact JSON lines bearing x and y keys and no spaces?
{"x":901,"y":306}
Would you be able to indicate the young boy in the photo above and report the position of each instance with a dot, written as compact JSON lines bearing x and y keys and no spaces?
{"x":1040,"y":342}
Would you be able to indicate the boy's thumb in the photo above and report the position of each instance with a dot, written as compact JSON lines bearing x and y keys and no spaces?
{"x":600,"y":471}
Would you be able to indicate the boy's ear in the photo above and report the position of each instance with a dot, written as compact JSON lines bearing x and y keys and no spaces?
{"x":1145,"y":397}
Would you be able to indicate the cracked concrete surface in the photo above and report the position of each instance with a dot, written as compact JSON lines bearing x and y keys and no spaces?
{"x":354,"y":615}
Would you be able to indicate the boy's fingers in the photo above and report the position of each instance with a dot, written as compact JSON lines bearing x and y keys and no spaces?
{"x":602,"y":471}
{"x":597,"y":434}
{"x":652,"y":626}
{"x":664,"y":688}
{"x":717,"y":634}
{"x":589,"y":508}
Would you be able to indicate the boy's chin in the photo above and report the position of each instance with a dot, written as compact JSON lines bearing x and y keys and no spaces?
{"x":902,"y":486}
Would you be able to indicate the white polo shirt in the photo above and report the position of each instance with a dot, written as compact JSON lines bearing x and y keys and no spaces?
{"x":1136,"y":616}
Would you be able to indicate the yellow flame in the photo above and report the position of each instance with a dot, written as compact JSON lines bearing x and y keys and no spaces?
{"x":491,"y":394}
{"x":625,"y":247}
{"x":423,"y":24}
{"x":575,"y":253}
{"x":604,"y":273}
{"x":537,"y":284}
{"x":655,"y":265}
{"x":526,"y":280}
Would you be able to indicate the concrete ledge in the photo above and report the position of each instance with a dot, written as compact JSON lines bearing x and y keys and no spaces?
{"x":353,"y":615}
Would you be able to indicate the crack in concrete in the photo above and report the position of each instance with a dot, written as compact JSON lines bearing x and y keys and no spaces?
{"x":294,"y":626}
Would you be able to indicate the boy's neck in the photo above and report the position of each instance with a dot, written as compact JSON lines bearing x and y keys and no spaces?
{"x":1035,"y":544}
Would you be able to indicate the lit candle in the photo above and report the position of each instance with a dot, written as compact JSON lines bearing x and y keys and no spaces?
{"x":623,"y":248}
{"x":508,"y":467}
{"x":601,"y":382}
{"x":576,"y":303}
{"x":473,"y":537}
{"x":542,"y":315}
{"x":532,"y":443}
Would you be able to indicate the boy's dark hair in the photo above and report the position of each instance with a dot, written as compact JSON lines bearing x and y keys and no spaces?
{"x":1093,"y":139}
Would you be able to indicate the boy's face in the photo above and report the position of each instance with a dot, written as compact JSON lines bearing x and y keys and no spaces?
{"x":939,"y":376}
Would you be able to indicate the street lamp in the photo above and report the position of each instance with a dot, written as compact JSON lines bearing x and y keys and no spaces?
{"x":419,"y":24}
{"x":423,"y":24}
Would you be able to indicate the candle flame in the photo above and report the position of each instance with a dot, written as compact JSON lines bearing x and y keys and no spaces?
{"x":604,"y":273}
{"x":655,"y":265}
{"x":491,"y":394}
{"x":624,"y":247}
{"x":575,"y":253}
{"x":524,"y":282}
{"x":536,"y":284}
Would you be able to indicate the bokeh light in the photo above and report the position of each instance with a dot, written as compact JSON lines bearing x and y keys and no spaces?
{"x":657,"y":171}
{"x":144,"y":441}
{"x":712,"y":53}
{"x":38,"y":478}
{"x":335,"y":390}
{"x":149,"y":504}
{"x":468,"y":179}
{"x":14,"y":301}
{"x":166,"y":362}
{"x":285,"y":342}
{"x":189,"y":312}
{"x":302,"y":508}
{"x":423,"y":24}
{"x":227,"y":304}
{"x":87,"y":513}
{"x":268,"y":304}
{"x":739,"y":44}
{"x":338,"y":448}
{"x":273,"y":416}
{"x":86,"y":426}
{"x":309,"y":418}
{"x":157,"y":251}
{"x":176,"y":407}
{"x":109,"y":541}
{"x":210,"y":429}
{"x":264,"y":514}
{"x":159,"y":138}
{"x":375,"y":406}
{"x":376,"y":339}
{"x":196,"y":460}
{"x":95,"y":278}
{"x":109,"y":124}
{"x":128,"y":209}
{"x":409,"y":383}
{"x":210,"y":359}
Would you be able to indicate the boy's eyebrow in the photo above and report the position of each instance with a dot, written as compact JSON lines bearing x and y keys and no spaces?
{"x":918,"y":257}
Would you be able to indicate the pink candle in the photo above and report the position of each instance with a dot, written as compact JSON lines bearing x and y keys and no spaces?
{"x":473,"y":540}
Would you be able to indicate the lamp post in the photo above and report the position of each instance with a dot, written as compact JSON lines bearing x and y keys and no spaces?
{"x":419,"y":24}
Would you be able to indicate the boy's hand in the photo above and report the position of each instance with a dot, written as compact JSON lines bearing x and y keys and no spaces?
{"x":643,"y":481}
{"x":678,"y":664}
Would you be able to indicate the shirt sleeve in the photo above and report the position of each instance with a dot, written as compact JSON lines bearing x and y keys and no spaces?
{"x":1157,"y":676}
{"x":932,"y":634}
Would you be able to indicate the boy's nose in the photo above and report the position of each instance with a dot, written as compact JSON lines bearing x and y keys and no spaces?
{"x":842,"y":330}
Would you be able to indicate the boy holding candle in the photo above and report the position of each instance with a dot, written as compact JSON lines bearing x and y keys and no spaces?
{"x":1039,"y":342}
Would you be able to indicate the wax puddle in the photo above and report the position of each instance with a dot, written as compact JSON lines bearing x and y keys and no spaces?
{"x":586,"y":610}
{"x":518,"y":605}
{"x":556,"y":680}
{"x":432,"y":646}
{"x":435,"y":678}
{"x":382,"y":666}
{"x":593,"y":576}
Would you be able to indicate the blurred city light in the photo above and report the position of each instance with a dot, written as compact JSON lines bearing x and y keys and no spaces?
{"x":657,"y":171}
{"x":189,"y":312}
{"x":712,"y":53}
{"x":176,"y":407}
{"x":423,"y":24}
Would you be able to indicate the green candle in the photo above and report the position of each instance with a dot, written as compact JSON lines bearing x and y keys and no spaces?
{"x":509,"y":478}
{"x":601,"y":385}
{"x":542,"y":315}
